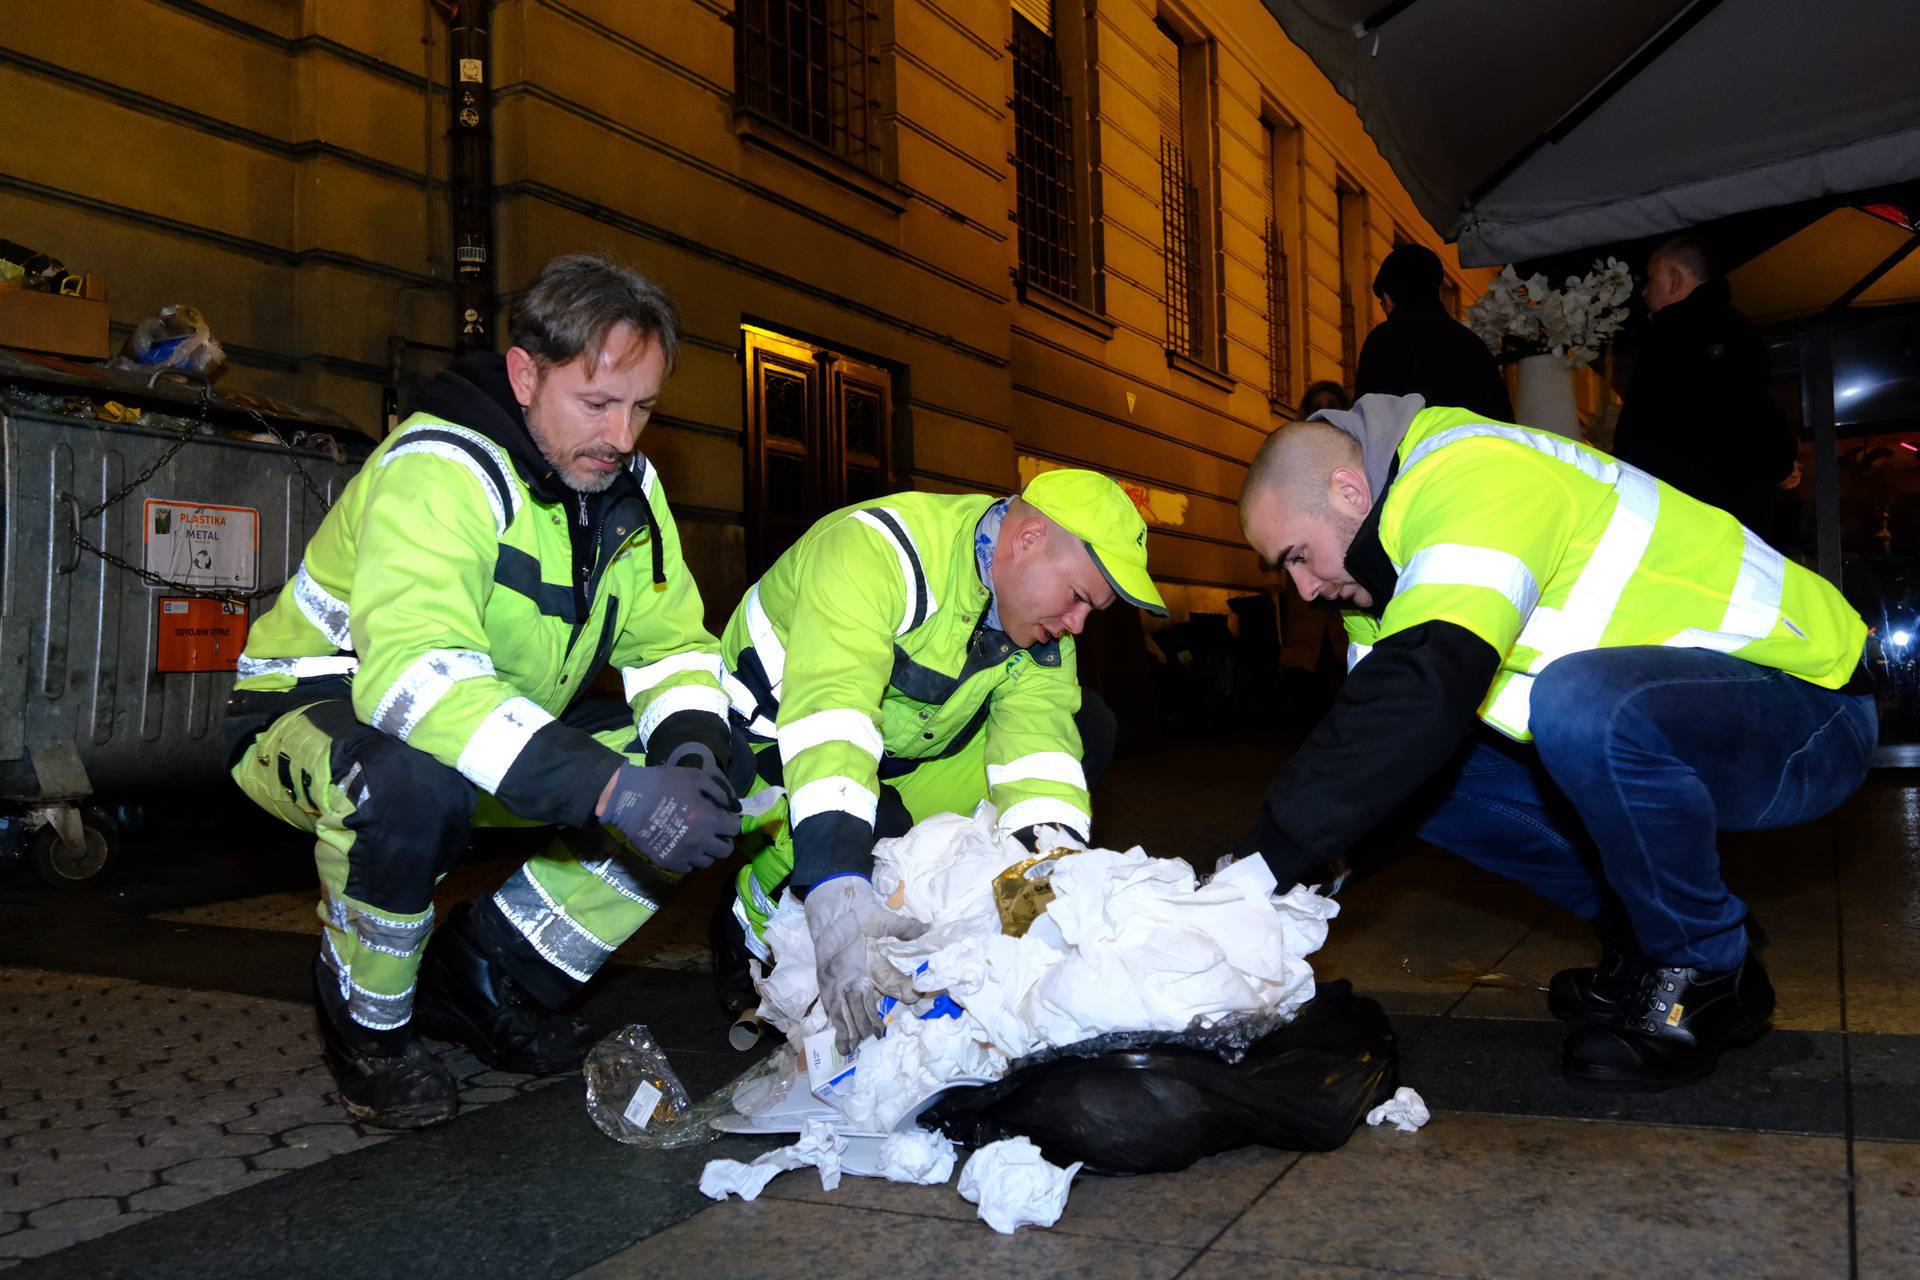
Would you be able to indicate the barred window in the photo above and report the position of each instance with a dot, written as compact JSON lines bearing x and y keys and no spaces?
{"x":1279,"y":318}
{"x":1180,"y":209}
{"x":812,"y":67}
{"x":1350,"y":214}
{"x":1044,"y":211}
{"x":1183,"y":75}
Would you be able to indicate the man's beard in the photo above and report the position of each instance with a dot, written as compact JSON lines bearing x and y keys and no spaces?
{"x":586,"y":481}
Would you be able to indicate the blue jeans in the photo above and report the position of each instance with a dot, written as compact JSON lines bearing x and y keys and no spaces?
{"x":1641,"y":756}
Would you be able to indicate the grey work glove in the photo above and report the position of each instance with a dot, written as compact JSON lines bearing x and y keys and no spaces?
{"x":844,"y":915}
{"x":677,"y":818}
{"x":695,"y":755}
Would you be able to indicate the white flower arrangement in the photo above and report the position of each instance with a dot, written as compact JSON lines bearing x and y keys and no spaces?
{"x":1572,"y":322}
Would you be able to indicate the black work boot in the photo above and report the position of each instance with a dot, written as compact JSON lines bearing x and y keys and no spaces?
{"x":1595,"y":996}
{"x":1592,"y":996}
{"x":386,"y":1078}
{"x":467,"y":995}
{"x":1673,"y":1030}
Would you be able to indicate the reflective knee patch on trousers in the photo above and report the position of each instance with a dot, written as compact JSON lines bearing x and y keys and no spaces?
{"x":562,"y":941}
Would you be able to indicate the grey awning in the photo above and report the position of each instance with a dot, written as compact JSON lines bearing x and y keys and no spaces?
{"x":1524,"y":129}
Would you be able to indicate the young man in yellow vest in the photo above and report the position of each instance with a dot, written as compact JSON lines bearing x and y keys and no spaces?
{"x":1573,"y":675}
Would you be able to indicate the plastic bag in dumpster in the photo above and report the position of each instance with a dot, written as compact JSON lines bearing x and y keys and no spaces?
{"x":1124,"y":1104}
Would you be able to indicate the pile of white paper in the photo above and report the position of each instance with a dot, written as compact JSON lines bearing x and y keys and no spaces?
{"x":1129,"y":943}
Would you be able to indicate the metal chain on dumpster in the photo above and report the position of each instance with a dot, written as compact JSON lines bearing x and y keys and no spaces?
{"x":187,"y":436}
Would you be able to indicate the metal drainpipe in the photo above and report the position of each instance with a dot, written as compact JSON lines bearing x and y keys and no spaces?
{"x":470,"y":173}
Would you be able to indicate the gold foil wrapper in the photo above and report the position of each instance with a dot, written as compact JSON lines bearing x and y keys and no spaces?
{"x":1021,"y":897}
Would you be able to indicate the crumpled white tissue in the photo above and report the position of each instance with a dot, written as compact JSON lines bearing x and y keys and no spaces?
{"x":1405,"y":1110}
{"x":911,"y":1063}
{"x":919,"y":1156}
{"x":1129,"y":943}
{"x":1015,"y":1186}
{"x":820,"y":1145}
{"x":788,"y":993}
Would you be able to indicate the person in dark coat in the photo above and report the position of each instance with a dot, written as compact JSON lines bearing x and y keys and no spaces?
{"x":1697,"y":412}
{"x":1421,"y":350}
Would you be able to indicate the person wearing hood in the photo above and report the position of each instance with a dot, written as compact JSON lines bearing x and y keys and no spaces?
{"x":428,"y":670}
{"x":1697,"y":413}
{"x":1574,"y":675}
{"x":1420,"y":350}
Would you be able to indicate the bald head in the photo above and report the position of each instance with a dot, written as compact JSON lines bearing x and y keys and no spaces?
{"x":1304,"y":500}
{"x":1294,"y":465}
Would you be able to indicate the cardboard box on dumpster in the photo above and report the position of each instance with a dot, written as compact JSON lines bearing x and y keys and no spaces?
{"x":58,"y":324}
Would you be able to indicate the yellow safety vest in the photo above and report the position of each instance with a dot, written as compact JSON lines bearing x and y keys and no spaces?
{"x":1544,"y":547}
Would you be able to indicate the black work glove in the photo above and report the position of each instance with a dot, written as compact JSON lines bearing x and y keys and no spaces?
{"x":1029,"y":836}
{"x":1290,"y":866}
{"x":677,"y":818}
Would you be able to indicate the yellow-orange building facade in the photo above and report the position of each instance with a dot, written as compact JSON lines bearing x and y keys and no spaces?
{"x":917,"y":243}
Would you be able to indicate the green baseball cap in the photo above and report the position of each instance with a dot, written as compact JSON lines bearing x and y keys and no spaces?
{"x":1099,"y":513}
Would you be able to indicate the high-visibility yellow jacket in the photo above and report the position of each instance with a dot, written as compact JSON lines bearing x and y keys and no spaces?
{"x":865,"y":649}
{"x":1492,"y":551}
{"x":1542,"y":547}
{"x":448,"y":585}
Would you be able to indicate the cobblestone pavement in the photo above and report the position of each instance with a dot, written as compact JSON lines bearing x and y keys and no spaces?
{"x":120,"y":1101}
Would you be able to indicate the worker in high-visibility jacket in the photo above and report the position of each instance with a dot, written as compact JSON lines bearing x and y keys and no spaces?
{"x":1573,"y":675}
{"x":428,"y":669}
{"x":914,"y":655}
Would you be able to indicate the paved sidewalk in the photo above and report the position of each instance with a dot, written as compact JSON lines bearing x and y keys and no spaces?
{"x":163,"y":1111}
{"x":122,"y":1101}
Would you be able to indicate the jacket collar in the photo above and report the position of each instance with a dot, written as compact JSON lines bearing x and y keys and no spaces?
{"x":474,"y":392}
{"x":1367,"y":559}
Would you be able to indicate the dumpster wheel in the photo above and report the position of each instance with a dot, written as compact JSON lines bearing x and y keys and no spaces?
{"x":61,"y":867}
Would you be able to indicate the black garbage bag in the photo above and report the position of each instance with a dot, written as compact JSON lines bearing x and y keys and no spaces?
{"x":1155,"y":1107}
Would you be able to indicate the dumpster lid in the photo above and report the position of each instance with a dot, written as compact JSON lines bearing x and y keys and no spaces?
{"x":167,"y":390}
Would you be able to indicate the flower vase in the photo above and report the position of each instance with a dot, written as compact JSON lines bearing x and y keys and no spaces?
{"x":1543,"y":396}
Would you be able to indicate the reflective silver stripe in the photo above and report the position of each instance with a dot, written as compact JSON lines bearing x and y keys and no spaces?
{"x":645,"y":471}
{"x":371,"y":1009}
{"x":621,"y":881}
{"x":1454,"y":564}
{"x":499,"y":740}
{"x":423,"y":684}
{"x":499,"y":501}
{"x":1754,"y":607}
{"x":1511,"y":710}
{"x":1554,"y":446}
{"x":836,"y":794}
{"x":912,"y":570}
{"x":637,"y":680}
{"x":766,"y":641}
{"x":298,"y":668}
{"x":855,"y":728}
{"x":761,"y":951}
{"x":739,"y":697}
{"x":379,"y":933}
{"x":1045,"y":809}
{"x":559,"y":939}
{"x":1355,"y":652}
{"x":1041,"y":766}
{"x":691,"y":697}
{"x":761,"y":801}
{"x":1579,"y":622}
{"x":761,"y":902}
{"x":326,"y":611}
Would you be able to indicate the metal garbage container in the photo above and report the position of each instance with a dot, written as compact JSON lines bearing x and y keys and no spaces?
{"x":147,"y":521}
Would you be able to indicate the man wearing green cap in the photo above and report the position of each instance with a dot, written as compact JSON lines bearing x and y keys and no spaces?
{"x":913,"y":655}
